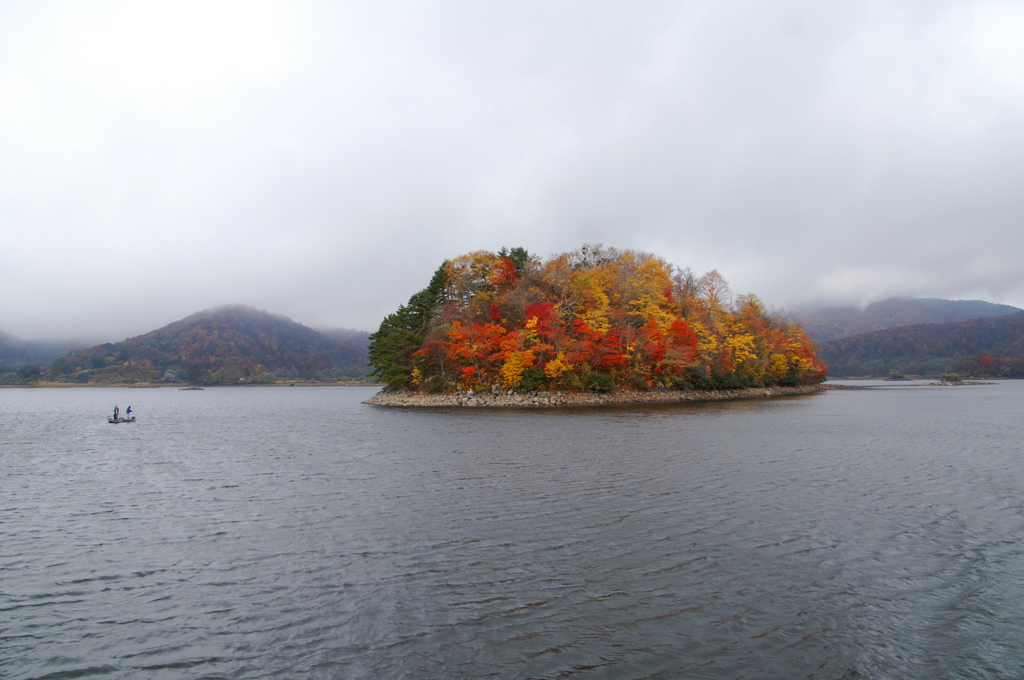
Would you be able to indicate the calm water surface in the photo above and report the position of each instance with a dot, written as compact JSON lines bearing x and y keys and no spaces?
{"x":297,"y":533}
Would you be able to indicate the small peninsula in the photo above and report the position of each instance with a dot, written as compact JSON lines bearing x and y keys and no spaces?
{"x":591,"y":326}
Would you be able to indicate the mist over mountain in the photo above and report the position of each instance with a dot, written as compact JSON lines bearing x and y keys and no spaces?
{"x":347,"y":335}
{"x":829,"y":323}
{"x":15,"y":351}
{"x":989,"y":347}
{"x":228,"y":344}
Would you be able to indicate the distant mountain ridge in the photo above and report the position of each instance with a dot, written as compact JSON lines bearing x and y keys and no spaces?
{"x":16,"y":352}
{"x":236,"y":343}
{"x":989,"y":346}
{"x":830,"y":323}
{"x":229,"y":344}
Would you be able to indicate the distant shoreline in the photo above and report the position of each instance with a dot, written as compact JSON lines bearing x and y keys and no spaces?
{"x":179,"y":386}
{"x":940,"y":383}
{"x":557,"y":399}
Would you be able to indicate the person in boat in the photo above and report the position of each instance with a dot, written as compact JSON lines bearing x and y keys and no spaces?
{"x":116,"y":410}
{"x":128,"y":412}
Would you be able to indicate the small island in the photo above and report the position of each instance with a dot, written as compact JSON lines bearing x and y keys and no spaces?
{"x":591,"y":326}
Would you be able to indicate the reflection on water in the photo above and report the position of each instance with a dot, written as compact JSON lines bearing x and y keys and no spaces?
{"x":249,"y":533}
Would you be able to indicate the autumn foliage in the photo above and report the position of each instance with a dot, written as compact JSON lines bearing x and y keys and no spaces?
{"x":595,"y":319}
{"x":230,"y":344}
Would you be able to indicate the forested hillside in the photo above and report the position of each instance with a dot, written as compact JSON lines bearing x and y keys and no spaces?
{"x":829,"y":323}
{"x":20,"y":360}
{"x":987,"y":347}
{"x":593,"y":319}
{"x":229,"y":344}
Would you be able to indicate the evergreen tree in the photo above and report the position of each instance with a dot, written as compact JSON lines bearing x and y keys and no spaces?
{"x":402,"y":333}
{"x":519,"y":257}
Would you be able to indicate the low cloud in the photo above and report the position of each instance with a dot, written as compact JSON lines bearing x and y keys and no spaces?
{"x":320,"y":161}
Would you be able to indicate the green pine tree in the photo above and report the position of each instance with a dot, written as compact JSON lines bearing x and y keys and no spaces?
{"x":401,"y":334}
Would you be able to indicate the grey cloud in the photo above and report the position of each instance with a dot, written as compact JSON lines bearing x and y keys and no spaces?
{"x":839,"y":152}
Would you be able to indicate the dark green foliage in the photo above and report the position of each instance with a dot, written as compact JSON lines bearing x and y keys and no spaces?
{"x":60,"y":366}
{"x":792,"y":378}
{"x":194,"y":374}
{"x":699,"y":377}
{"x":336,"y":375}
{"x":732,"y":381}
{"x":599,"y":382}
{"x":519,"y":257}
{"x":681,"y":384}
{"x":17,"y":375}
{"x":532,"y":379}
{"x":401,"y":334}
{"x":436,"y":384}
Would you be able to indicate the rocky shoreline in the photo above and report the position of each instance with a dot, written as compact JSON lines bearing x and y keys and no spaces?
{"x":553,"y":399}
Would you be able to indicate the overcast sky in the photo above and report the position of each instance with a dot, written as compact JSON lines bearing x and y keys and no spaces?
{"x":320,"y":160}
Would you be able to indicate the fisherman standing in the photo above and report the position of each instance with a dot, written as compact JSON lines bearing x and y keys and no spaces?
{"x":116,"y":410}
{"x":128,"y":412}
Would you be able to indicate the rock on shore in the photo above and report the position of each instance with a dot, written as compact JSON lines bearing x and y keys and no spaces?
{"x":541,"y":399}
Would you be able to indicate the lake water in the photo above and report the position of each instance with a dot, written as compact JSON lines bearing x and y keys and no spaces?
{"x":297,"y":533}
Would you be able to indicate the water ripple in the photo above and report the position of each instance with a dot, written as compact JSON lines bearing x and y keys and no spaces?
{"x":257,"y":533}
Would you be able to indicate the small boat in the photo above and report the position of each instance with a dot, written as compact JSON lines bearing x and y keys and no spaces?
{"x":112,"y":419}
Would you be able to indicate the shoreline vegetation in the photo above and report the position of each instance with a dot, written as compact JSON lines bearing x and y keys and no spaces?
{"x":182,"y":386}
{"x":509,"y":398}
